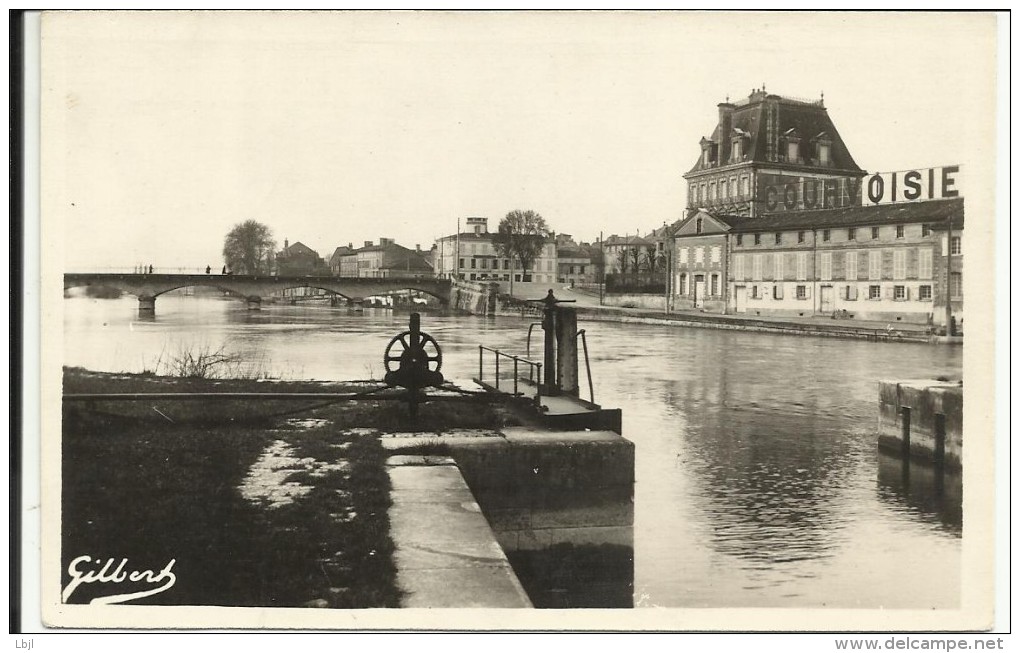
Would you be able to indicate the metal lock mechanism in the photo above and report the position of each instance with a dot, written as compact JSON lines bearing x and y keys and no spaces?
{"x":413,"y":359}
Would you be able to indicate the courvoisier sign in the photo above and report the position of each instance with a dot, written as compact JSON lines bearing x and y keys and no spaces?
{"x":780,"y":192}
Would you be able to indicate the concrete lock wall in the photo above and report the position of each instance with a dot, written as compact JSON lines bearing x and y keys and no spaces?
{"x":540,"y":488}
{"x":923,"y":420}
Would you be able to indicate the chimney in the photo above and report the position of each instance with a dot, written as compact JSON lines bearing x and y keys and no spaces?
{"x":285,"y":243}
{"x":417,"y":247}
{"x":368,"y":243}
{"x":350,"y":246}
{"x":725,"y":131}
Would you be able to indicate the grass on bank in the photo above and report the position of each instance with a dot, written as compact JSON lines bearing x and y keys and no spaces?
{"x":160,"y":480}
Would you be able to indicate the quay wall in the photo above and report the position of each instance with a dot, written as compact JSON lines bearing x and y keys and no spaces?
{"x":922,"y":420}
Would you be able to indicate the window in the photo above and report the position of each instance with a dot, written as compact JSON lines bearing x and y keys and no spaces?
{"x":851,"y":234}
{"x":899,"y":293}
{"x":800,"y":236}
{"x":699,"y":255}
{"x":461,"y":263}
{"x":738,"y":268}
{"x":899,"y":264}
{"x":924,"y":293}
{"x":802,"y":266}
{"x":724,"y":188}
{"x":683,"y":284}
{"x":702,"y":193}
{"x":875,"y":265}
{"x":899,"y":231}
{"x":473,"y":277}
{"x":850,"y":293}
{"x":757,"y":239}
{"x":777,"y":264}
{"x":716,"y":254}
{"x":955,"y":246}
{"x":740,"y":239}
{"x":683,"y":256}
{"x":485,"y":264}
{"x":826,"y":262}
{"x":925,"y":230}
{"x":745,"y":186}
{"x":874,"y":233}
{"x":474,"y":263}
{"x":851,"y":266}
{"x":956,"y":285}
{"x":711,"y":191}
{"x":698,"y":223}
{"x":736,"y":152}
{"x":825,"y":235}
{"x":823,"y":154}
{"x":802,"y":292}
{"x":779,"y":238}
{"x":754,"y":292}
{"x":756,"y":270}
{"x":777,"y":291}
{"x":874,"y":292}
{"x":924,"y":264}
{"x":715,"y":285}
{"x":792,"y":151}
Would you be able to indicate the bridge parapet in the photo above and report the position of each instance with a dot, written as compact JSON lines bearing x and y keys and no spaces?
{"x":254,"y":287}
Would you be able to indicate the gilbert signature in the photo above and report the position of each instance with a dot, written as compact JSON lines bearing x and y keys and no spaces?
{"x":84,"y":569}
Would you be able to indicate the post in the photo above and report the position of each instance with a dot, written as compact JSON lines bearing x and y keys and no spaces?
{"x":497,"y":369}
{"x":515,"y":376}
{"x":480,"y":361}
{"x":566,"y":350}
{"x":949,"y":277}
{"x":602,"y":267}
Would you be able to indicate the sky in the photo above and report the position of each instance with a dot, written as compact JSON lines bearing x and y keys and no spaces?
{"x":162,"y":130}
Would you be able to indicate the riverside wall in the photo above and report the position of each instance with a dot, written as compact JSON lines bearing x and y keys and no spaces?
{"x":922,"y":420}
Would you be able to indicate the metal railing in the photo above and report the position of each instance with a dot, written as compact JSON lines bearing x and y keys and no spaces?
{"x":534,"y":371}
{"x":587,"y":364}
{"x":527,"y":348}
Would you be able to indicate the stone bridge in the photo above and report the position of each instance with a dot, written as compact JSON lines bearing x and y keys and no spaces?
{"x":253,"y":288}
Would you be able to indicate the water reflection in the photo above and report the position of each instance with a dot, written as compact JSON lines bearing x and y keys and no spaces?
{"x":921,"y":491}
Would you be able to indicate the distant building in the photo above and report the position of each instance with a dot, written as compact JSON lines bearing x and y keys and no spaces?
{"x":337,"y":257}
{"x":387,"y":259}
{"x":761,"y":144}
{"x":777,"y":224}
{"x":626,"y":254}
{"x":298,"y":260}
{"x":574,"y":264}
{"x":471,"y":255}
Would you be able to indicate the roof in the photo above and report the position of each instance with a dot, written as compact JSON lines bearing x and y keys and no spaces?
{"x":808,"y":120}
{"x":935,"y":211}
{"x":298,"y":249}
{"x":627,"y":240}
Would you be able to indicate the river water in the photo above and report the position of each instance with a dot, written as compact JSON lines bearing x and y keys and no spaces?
{"x":758,"y":478}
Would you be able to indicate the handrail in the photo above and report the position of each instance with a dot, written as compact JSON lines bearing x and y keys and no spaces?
{"x":587,"y":363}
{"x":534,"y":368}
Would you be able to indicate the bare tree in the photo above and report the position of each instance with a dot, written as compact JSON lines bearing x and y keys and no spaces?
{"x":248,"y":248}
{"x":521,"y":236}
{"x":622,"y":259}
{"x":635,"y":258}
{"x":651,"y":259}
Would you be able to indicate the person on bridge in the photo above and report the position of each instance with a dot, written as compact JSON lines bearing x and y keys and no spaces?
{"x":224,"y":270}
{"x":150,"y":268}
{"x":208,"y":269}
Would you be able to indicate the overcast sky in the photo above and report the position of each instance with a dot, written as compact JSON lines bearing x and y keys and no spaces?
{"x":162,"y":130}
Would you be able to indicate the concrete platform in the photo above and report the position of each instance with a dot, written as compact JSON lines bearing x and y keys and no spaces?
{"x":447,"y":555}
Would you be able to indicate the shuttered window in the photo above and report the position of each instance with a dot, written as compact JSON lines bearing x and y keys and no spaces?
{"x":738,"y":267}
{"x":875,"y":265}
{"x":826,"y":261}
{"x":899,"y":264}
{"x":683,"y":255}
{"x":756,"y":270}
{"x":851,"y":266}
{"x":924,"y":263}
{"x":716,"y":254}
{"x":802,"y":266}
{"x":778,"y":264}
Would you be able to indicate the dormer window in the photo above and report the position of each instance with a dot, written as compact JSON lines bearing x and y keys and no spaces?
{"x":737,"y":145}
{"x":708,"y":152}
{"x":698,"y":225}
{"x":823,"y":149}
{"x":792,"y":145}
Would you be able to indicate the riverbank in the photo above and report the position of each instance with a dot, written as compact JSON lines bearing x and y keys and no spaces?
{"x":266,"y":503}
{"x":802,"y":326}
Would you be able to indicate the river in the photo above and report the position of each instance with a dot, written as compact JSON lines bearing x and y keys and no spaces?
{"x":758,"y":478}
